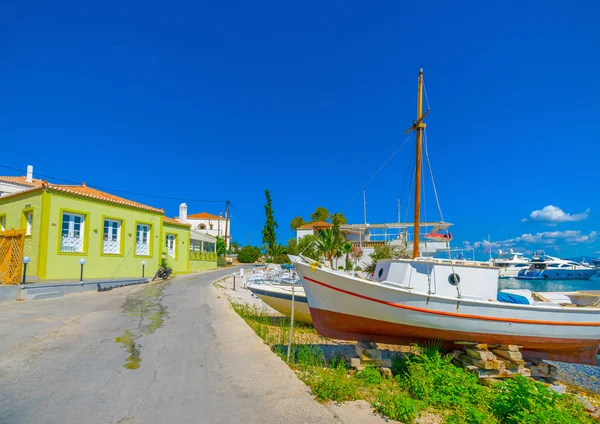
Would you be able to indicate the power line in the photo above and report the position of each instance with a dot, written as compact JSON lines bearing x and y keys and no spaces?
{"x":122,"y":191}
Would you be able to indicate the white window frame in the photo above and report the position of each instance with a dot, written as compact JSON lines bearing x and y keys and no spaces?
{"x":2,"y":223}
{"x":70,"y":240}
{"x":139,"y":235}
{"x":111,"y":242}
{"x":171,"y":244}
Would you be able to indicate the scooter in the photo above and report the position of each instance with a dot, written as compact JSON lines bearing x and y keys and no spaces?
{"x":162,"y":273}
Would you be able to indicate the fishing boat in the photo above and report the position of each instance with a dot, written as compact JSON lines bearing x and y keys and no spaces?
{"x":423,"y":298}
{"x":510,"y":263}
{"x":279,"y":297}
{"x":551,"y":268}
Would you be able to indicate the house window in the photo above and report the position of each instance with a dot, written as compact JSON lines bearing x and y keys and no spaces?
{"x":202,"y":226}
{"x":3,"y":223}
{"x":170,"y":245}
{"x":28,"y":222}
{"x":72,"y":232}
{"x":208,"y":247}
{"x":142,"y":240}
{"x":112,"y":237}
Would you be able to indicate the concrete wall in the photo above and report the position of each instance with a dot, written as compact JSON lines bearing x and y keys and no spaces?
{"x":179,"y":264}
{"x":13,"y":208}
{"x":61,"y":265}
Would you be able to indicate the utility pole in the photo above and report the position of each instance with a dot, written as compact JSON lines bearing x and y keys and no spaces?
{"x":365,"y":205}
{"x":398,"y":211}
{"x":226,"y":224}
{"x":248,"y":238}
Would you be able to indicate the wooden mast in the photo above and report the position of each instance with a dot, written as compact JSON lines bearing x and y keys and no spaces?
{"x":418,"y":127}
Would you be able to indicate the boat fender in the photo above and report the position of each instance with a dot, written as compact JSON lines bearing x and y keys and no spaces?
{"x":454,"y":279}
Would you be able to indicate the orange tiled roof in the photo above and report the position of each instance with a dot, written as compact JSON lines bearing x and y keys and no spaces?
{"x":318,"y":224}
{"x":205,"y":215}
{"x":22,"y":180}
{"x":92,"y":193}
{"x":175,"y":221}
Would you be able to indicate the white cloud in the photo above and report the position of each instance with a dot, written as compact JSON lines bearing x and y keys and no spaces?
{"x":553,"y":215}
{"x":544,"y":238}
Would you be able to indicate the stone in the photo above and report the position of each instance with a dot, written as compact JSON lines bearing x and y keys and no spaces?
{"x":355,"y":362}
{"x":558,"y":388}
{"x":386,"y":372}
{"x":586,"y":403}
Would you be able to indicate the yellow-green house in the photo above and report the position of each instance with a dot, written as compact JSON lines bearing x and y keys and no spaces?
{"x":117,"y":237}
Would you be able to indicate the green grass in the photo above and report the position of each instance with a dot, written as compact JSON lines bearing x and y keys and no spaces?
{"x":423,"y":382}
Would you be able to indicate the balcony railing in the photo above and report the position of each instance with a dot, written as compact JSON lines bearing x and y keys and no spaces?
{"x":197,"y":255}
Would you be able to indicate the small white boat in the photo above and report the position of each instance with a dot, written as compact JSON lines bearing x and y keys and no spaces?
{"x":279,"y":297}
{"x":510,"y":263}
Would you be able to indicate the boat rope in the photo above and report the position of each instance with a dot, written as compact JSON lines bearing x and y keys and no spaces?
{"x":410,"y":186}
{"x":377,"y":172}
{"x":437,"y":200}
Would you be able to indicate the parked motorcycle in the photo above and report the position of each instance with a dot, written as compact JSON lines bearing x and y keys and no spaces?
{"x":162,"y":273}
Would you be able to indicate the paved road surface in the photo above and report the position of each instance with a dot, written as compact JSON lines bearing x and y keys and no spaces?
{"x":197,"y":362}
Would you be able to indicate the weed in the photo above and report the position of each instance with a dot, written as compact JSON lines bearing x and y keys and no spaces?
{"x":370,"y":376}
{"x":309,"y":355}
{"x":338,"y":361}
{"x":397,"y":405}
{"x":521,"y":400}
{"x":328,"y":384}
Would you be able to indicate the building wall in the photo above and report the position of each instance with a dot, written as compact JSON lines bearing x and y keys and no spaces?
{"x":12,"y":208}
{"x":60,"y":265}
{"x":304,"y":232}
{"x":179,"y":264}
{"x":218,"y":227}
{"x":202,"y":265}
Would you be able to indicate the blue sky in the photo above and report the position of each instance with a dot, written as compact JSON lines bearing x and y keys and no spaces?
{"x":221,"y":100}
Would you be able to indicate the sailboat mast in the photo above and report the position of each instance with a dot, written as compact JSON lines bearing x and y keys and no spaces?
{"x":419,"y":130}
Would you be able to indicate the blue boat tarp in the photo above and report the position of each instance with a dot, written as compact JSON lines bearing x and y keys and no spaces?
{"x":287,"y":266}
{"x":512,"y":298}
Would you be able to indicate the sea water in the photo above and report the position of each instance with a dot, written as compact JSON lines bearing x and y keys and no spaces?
{"x":550,"y":285}
{"x":585,"y":376}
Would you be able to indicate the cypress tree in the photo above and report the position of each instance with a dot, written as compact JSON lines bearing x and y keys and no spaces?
{"x":269,"y":236}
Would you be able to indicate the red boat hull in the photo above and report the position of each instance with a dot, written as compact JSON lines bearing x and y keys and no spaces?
{"x":341,"y":326}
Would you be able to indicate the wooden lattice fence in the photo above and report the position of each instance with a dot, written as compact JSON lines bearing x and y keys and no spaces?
{"x":11,"y":256}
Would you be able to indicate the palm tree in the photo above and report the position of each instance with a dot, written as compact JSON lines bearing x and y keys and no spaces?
{"x":277,"y":250}
{"x":346,"y":249}
{"x":329,"y":244}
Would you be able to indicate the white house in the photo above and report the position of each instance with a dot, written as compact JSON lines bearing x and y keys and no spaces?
{"x":207,"y":223}
{"x":10,"y":185}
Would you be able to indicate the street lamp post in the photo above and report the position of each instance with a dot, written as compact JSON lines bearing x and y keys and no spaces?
{"x":233,"y":280}
{"x":143,"y":268}
{"x":26,"y":260}
{"x":82,"y":263}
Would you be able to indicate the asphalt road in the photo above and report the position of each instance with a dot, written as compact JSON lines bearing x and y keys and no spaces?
{"x":158,"y":353}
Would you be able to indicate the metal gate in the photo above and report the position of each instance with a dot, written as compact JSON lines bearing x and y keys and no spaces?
{"x":11,"y":256}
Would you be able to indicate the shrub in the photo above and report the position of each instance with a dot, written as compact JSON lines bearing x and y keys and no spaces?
{"x":432,"y":379}
{"x":281,"y":259}
{"x":369,"y":376}
{"x":521,"y":400}
{"x":397,"y":406}
{"x":328,"y":384}
{"x":248,"y":254}
{"x":221,"y":261}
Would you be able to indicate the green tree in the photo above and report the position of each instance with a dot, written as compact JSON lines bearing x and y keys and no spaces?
{"x":320,"y":214}
{"x":279,"y":254}
{"x":249,"y":254}
{"x":338,"y":219}
{"x":347,"y":249}
{"x":220,"y":246}
{"x":307,"y":246}
{"x":292,"y":246}
{"x":329,"y":244}
{"x":298,"y":221}
{"x":268,"y":232}
{"x":234,"y":246}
